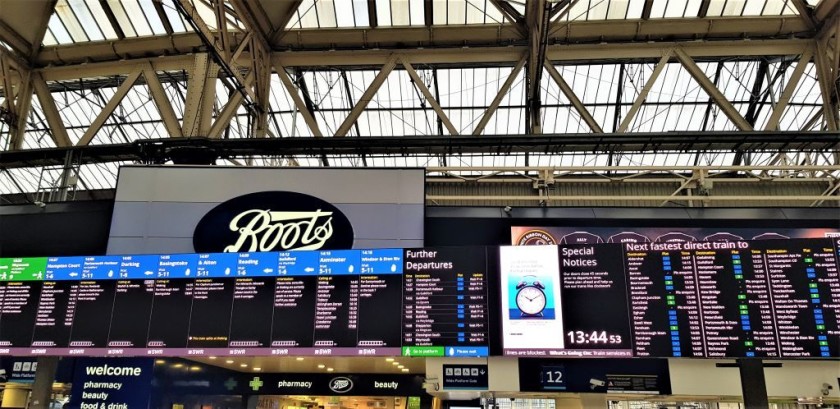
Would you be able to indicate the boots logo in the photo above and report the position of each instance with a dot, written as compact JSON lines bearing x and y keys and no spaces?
{"x":341,"y":384}
{"x":273,"y":221}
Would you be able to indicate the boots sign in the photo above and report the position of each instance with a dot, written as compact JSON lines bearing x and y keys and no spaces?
{"x":273,"y":221}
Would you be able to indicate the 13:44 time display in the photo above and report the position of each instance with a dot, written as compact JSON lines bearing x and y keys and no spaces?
{"x":594,"y":337}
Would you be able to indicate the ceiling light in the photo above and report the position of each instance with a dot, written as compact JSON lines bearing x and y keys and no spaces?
{"x":229,"y":361}
{"x":243,"y":365}
{"x":212,"y":357}
{"x":321,"y":366}
{"x":257,"y":369}
{"x":177,"y":365}
{"x":300,"y":358}
{"x":195,"y":368}
{"x":160,"y":362}
{"x":395,"y":363}
{"x":330,"y":369}
{"x":400,"y":366}
{"x":404,"y":369}
{"x":389,"y":359}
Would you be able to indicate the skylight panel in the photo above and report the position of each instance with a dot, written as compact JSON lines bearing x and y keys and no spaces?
{"x":344,"y":15}
{"x":417,"y":12}
{"x":59,"y":31}
{"x":101,"y":20}
{"x":754,"y":7}
{"x":49,"y":39}
{"x":174,"y":17}
{"x":326,"y":13}
{"x":383,"y":12}
{"x":360,"y":12}
{"x":86,"y":20}
{"x":598,"y":10}
{"x":400,"y":13}
{"x":132,"y":8}
{"x":617,"y":9}
{"x":71,"y":23}
{"x":456,"y":11}
{"x":123,"y":20}
{"x":733,"y":8}
{"x":152,"y":17}
{"x":307,"y":15}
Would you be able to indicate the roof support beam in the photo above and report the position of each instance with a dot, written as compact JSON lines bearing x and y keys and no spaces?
{"x":164,"y":106}
{"x":223,"y":119}
{"x":805,"y":12}
{"x":15,"y":40}
{"x":280,"y":28}
{"x":828,"y":88}
{"x":570,"y":94}
{"x":45,"y":97}
{"x":201,"y":94}
{"x":712,"y":90}
{"x":479,"y":129}
{"x":367,"y":96}
{"x":790,"y":87}
{"x":112,"y":19}
{"x":637,"y":104}
{"x":109,"y":108}
{"x":167,"y":25}
{"x":537,"y":17}
{"x":23,"y":103}
{"x":418,"y":82}
{"x":299,"y":103}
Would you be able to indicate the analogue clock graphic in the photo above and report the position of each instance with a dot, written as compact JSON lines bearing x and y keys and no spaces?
{"x":530,"y":298}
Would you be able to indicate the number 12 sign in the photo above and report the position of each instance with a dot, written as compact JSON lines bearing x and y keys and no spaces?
{"x":553,"y":378}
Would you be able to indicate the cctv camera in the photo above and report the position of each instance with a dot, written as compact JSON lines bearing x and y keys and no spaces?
{"x":595,"y":383}
{"x":40,"y":204}
{"x":508,"y":209}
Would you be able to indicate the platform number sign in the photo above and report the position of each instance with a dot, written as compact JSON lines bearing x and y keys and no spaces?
{"x":553,"y":377}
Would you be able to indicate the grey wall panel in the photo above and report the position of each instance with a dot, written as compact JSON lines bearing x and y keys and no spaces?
{"x":760,"y":214}
{"x":158,"y":207}
{"x":130,"y":219}
{"x":215,"y":184}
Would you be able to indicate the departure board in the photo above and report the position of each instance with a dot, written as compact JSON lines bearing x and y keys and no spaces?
{"x":332,"y":302}
{"x":680,"y":298}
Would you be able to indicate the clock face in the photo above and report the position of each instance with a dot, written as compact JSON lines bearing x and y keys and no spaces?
{"x":530,"y":300}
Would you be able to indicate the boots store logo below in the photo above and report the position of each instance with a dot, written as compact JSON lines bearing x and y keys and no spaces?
{"x":341,"y":384}
{"x":272,"y":221}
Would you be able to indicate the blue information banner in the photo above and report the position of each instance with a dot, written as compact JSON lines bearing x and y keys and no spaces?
{"x":339,"y":262}
{"x":216,"y":265}
{"x":177,"y":266}
{"x":139,"y":267}
{"x":101,"y":268}
{"x":297,"y":263}
{"x":383,"y":261}
{"x":256,"y":265}
{"x":111,"y":383}
{"x":64,"y":268}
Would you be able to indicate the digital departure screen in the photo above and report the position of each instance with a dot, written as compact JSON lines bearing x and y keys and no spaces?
{"x":677,"y":298}
{"x":337,"y":302}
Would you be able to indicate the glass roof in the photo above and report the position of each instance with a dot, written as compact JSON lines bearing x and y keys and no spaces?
{"x":76,"y":21}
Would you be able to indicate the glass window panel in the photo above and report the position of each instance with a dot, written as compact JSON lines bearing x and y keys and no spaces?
{"x":57,"y":27}
{"x":439,"y":11}
{"x":133,"y":9}
{"x":693,"y":8}
{"x":326,"y":13}
{"x":399,"y":13}
{"x":657,"y":10}
{"x":344,"y":14}
{"x":754,"y":7}
{"x":102,"y":20}
{"x":360,"y":12}
{"x":634,"y":9}
{"x":62,"y":9}
{"x":457,"y":12}
{"x":773,"y":8}
{"x":174,"y":17}
{"x":308,"y":14}
{"x":49,"y":39}
{"x":152,"y":16}
{"x":789,"y":8}
{"x":715,"y":8}
{"x":676,"y":8}
{"x":579,"y":11}
{"x":733,"y":8}
{"x":598,"y":11}
{"x":475,"y":12}
{"x":383,"y":12}
{"x":88,"y":23}
{"x":122,"y":19}
{"x":617,"y":10}
{"x":418,"y":12}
